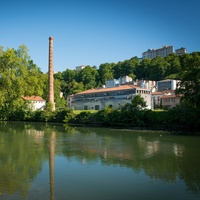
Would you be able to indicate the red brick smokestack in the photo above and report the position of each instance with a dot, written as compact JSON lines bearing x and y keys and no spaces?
{"x":51,"y":81}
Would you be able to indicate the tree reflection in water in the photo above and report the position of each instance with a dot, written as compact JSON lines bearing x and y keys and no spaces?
{"x":26,"y":147}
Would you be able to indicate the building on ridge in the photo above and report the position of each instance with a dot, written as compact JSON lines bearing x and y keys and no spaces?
{"x":181,"y":51}
{"x":79,"y":68}
{"x":163,"y":52}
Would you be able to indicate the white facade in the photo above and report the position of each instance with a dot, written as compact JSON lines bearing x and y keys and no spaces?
{"x":163,"y":52}
{"x":125,"y":79}
{"x":115,"y":97}
{"x":112,"y":83}
{"x":181,"y":51}
{"x":69,"y":101}
{"x":120,"y":81}
{"x":36,"y":102}
{"x":147,"y":84}
{"x":167,"y":84}
{"x":79,"y":68}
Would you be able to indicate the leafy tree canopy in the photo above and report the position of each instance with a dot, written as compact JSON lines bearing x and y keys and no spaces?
{"x":189,"y":86}
{"x":18,"y":76}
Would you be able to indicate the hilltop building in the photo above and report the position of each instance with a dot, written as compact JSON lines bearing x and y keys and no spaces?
{"x":163,"y":52}
{"x":181,"y":51}
{"x":79,"y":68}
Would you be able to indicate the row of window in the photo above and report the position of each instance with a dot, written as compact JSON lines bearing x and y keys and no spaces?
{"x":169,"y":100}
{"x":102,"y":94}
{"x":143,"y":92}
{"x":38,"y":101}
{"x":96,"y":107}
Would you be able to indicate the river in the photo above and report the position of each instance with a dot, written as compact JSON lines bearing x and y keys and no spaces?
{"x":53,"y":161}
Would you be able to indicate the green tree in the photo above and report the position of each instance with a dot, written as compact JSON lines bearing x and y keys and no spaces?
{"x":59,"y":76}
{"x":173,"y":67}
{"x":18,"y":76}
{"x":69,"y":75}
{"x":106,"y":72}
{"x":189,"y":86}
{"x":138,"y":102}
{"x":158,"y":68}
{"x":126,"y":68}
{"x":89,"y":75}
{"x":74,"y":87}
{"x":117,"y":70}
{"x":142,"y":71}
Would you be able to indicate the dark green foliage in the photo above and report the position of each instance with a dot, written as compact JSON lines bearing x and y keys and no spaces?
{"x":138,"y":103}
{"x":184,"y":118}
{"x":69,"y":117}
{"x":84,"y":117}
{"x":106,"y":72}
{"x":60,"y":115}
{"x":189,"y":86}
{"x":103,"y":116}
{"x":178,"y":119}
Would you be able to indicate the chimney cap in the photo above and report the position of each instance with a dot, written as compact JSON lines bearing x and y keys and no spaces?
{"x":50,"y":38}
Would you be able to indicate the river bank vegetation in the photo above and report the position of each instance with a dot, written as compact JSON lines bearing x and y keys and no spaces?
{"x":134,"y":115}
{"x":19,"y":76}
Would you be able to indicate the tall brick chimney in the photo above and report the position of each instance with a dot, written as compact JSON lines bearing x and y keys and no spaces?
{"x":51,"y":81}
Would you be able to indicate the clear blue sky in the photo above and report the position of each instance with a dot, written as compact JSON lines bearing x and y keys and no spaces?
{"x":92,"y":32}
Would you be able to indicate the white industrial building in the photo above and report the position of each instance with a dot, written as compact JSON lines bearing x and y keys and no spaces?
{"x":115,"y":97}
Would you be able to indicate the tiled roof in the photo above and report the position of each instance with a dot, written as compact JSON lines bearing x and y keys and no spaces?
{"x":33,"y":98}
{"x":164,"y":92}
{"x":172,"y":96}
{"x":157,"y":93}
{"x":116,"y":88}
{"x":169,"y":96}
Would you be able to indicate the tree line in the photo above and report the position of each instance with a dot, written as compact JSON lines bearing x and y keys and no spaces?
{"x":19,"y":75}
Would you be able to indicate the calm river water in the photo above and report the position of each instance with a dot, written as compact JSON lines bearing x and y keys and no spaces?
{"x":39,"y":161}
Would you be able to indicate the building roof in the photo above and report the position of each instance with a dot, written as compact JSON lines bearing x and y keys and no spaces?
{"x":168,"y":80}
{"x":172,"y":96}
{"x":157,"y":93}
{"x":169,"y":96}
{"x":116,"y":88}
{"x":33,"y":98}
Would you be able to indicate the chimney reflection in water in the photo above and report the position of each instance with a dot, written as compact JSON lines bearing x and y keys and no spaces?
{"x":51,"y":165}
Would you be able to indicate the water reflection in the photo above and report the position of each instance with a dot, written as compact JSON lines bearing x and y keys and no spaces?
{"x":51,"y":164}
{"x":150,"y":147}
{"x":178,"y":150}
{"x":25,"y":148}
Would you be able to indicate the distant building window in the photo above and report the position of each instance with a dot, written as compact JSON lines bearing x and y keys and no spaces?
{"x":96,"y":107}
{"x":85,"y":107}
